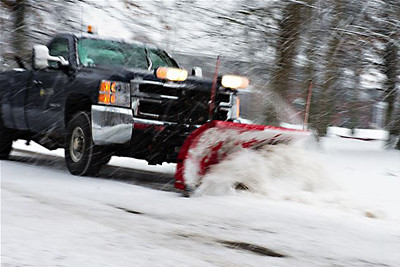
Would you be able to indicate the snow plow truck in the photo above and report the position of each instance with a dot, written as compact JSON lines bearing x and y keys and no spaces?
{"x":98,"y":98}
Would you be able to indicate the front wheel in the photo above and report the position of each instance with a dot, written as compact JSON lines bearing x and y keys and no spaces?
{"x":81,"y":155}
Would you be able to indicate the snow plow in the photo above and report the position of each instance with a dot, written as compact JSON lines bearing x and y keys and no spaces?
{"x":145,"y":108}
{"x":214,"y":141}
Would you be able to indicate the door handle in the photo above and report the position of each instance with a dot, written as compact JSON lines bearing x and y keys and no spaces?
{"x":36,"y":82}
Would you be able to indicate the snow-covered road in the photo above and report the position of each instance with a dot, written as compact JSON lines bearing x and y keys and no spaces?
{"x":133,"y":216}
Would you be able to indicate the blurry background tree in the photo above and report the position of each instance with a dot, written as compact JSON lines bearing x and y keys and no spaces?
{"x":287,"y":47}
{"x":19,"y":40}
{"x":391,"y":65}
{"x":348,"y":51}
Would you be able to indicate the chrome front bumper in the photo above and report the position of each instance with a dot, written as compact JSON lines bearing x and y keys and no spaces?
{"x":111,"y":125}
{"x":115,"y":125}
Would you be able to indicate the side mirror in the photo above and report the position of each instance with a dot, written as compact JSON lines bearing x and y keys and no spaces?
{"x":41,"y":56}
{"x":197,"y":71}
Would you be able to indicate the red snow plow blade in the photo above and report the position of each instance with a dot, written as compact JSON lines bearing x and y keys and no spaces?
{"x":213,"y":141}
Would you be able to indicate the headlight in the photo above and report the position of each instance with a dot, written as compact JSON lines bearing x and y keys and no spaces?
{"x":171,"y":74}
{"x":234,"y":82}
{"x":115,"y":93}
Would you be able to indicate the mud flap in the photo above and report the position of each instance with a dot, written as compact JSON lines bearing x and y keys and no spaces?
{"x":215,"y":140}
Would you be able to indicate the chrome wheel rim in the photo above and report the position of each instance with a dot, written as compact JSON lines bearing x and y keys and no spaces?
{"x":77,"y":144}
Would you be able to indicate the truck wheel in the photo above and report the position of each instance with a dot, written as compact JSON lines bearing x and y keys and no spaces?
{"x":81,"y":155}
{"x":5,"y":141}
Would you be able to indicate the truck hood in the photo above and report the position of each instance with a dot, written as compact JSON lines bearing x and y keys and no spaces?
{"x":126,"y":75}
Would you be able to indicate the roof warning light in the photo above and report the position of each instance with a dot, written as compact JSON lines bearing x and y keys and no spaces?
{"x":91,"y":29}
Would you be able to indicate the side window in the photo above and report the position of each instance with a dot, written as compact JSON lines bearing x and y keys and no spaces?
{"x":59,"y":47}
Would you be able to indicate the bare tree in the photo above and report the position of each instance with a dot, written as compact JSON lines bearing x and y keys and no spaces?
{"x":287,"y":48}
{"x":391,"y":66}
{"x":19,"y":38}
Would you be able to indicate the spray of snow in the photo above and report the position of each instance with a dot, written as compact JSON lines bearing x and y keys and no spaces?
{"x":279,"y":172}
{"x":314,"y":177}
{"x":230,"y":138}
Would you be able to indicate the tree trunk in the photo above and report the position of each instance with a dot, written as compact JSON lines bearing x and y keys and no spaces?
{"x":19,"y":39}
{"x":391,"y":64}
{"x":396,"y":130}
{"x":326,"y":98}
{"x":354,"y":110}
{"x":287,"y":48}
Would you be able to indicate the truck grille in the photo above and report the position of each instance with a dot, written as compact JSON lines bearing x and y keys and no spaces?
{"x":159,"y":90}
{"x":177,"y":104}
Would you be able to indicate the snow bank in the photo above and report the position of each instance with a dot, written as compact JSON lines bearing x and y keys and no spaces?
{"x":359,"y":133}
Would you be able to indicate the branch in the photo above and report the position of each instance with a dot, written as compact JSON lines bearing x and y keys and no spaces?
{"x":9,"y":3}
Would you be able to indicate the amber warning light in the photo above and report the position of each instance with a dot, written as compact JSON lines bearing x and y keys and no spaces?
{"x":91,"y":29}
{"x":234,"y":82}
{"x":171,"y":74}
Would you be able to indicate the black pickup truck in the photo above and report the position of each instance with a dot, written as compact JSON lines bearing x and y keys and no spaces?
{"x":99,"y":97}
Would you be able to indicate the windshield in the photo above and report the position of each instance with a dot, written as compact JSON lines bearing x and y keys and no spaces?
{"x":97,"y":52}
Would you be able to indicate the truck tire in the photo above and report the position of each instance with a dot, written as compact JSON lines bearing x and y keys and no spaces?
{"x":105,"y":159}
{"x":6,"y":141}
{"x":81,"y":155}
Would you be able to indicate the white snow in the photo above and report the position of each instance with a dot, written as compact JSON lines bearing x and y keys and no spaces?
{"x":359,"y":133}
{"x":202,"y":148}
{"x":278,"y":172}
{"x":336,"y":206}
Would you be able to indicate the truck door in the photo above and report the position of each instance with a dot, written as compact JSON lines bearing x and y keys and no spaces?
{"x":17,"y":97}
{"x":47,"y":92}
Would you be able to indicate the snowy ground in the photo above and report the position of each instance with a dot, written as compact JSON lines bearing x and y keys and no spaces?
{"x":338,"y":206}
